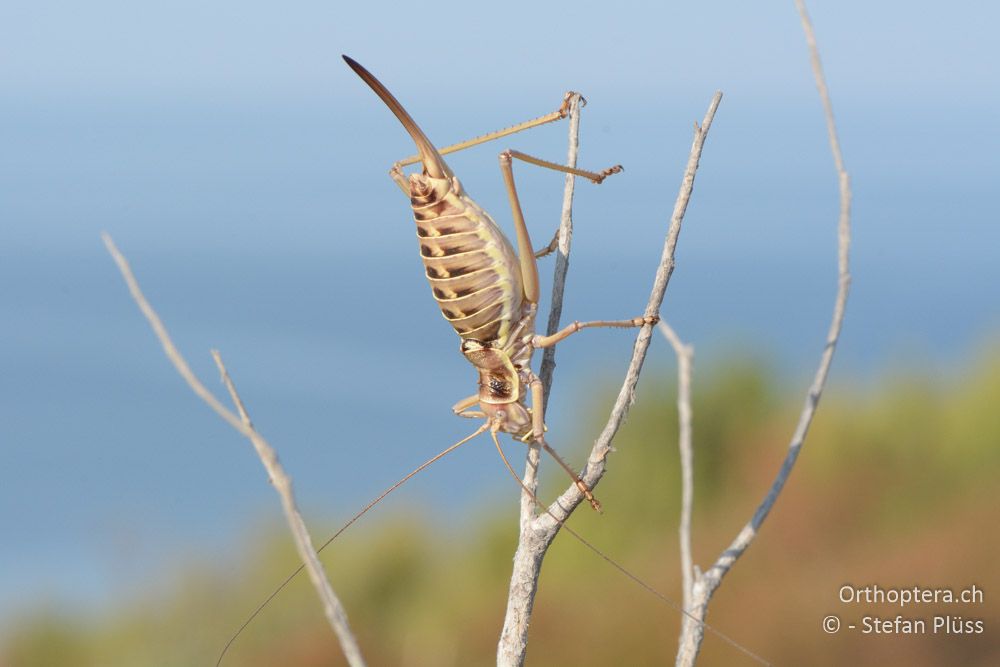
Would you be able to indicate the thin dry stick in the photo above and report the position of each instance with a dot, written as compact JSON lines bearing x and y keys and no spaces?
{"x":537,"y":533}
{"x":564,"y":237}
{"x":565,"y":241}
{"x":516,"y":619}
{"x":706,"y":584}
{"x":685,"y":358}
{"x":332,"y":607}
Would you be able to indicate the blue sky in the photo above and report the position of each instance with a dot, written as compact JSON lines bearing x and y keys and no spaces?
{"x":241,"y":167}
{"x":121,"y":50}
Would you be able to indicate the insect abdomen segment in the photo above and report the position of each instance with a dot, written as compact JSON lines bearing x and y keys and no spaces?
{"x":470,"y":264}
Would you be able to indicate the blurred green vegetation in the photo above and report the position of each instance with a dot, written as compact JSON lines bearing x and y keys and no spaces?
{"x":896,"y":486}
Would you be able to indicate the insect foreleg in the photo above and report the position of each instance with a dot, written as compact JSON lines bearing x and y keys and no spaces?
{"x":580,"y":484}
{"x":583,"y":487}
{"x":538,"y":435}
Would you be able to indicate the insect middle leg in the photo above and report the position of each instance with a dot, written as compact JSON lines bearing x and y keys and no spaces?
{"x":548,"y":341}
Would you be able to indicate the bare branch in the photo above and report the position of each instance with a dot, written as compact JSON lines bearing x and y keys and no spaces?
{"x":626,"y":395}
{"x":706,"y":584}
{"x":332,"y":607}
{"x":513,"y":637}
{"x":685,"y":358}
{"x":538,"y":533}
{"x":564,"y":240}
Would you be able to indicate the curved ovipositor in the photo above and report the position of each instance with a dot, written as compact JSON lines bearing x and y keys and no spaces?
{"x":472,"y":268}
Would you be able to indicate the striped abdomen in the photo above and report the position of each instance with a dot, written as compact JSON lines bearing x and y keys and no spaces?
{"x":470,"y":263}
{"x":471,"y":266}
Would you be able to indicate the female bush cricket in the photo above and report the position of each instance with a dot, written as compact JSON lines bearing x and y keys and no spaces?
{"x":486,"y":291}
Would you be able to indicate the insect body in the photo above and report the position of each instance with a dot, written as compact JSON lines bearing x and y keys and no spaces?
{"x":486,"y":290}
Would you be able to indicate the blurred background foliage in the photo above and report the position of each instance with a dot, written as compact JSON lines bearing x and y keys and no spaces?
{"x":896,"y":486}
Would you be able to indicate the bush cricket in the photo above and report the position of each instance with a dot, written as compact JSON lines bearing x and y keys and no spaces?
{"x":486,"y":290}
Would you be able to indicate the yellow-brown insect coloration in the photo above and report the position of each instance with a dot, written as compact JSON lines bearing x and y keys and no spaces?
{"x":486,"y":290}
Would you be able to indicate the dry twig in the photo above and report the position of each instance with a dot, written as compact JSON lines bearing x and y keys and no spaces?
{"x":537,"y":532}
{"x":706,"y":584}
{"x":332,"y":607}
{"x":685,"y":359}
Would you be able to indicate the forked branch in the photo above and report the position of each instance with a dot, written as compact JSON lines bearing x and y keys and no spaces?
{"x":332,"y":607}
{"x":706,"y":584}
{"x":538,"y":531}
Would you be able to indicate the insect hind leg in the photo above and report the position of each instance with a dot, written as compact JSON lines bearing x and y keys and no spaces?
{"x":558,"y":114}
{"x":527,"y":256}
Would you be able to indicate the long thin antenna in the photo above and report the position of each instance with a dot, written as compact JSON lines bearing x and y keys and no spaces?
{"x":621,"y":568}
{"x":347,"y":525}
{"x":611,"y":561}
